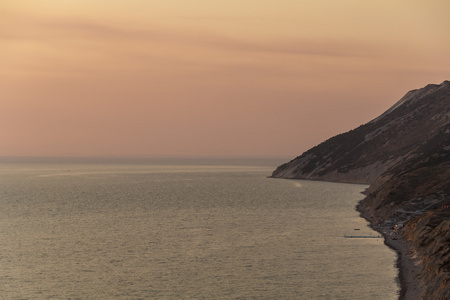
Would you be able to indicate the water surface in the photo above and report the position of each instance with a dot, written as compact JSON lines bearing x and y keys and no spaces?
{"x":203,"y":230}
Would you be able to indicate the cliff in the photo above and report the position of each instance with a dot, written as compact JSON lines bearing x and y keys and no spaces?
{"x":404,"y":155}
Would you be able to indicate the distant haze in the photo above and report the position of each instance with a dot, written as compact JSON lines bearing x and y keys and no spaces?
{"x":207,"y":77}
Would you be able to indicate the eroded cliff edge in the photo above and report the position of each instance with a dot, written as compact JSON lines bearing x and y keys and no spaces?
{"x":404,"y":155}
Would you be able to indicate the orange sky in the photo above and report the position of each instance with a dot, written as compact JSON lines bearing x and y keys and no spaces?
{"x":208,"y":77}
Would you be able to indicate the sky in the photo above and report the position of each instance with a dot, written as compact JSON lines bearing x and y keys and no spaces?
{"x":207,"y":77}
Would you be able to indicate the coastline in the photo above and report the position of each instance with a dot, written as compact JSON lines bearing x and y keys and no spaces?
{"x":409,"y":268}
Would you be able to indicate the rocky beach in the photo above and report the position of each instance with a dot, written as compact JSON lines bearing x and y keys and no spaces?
{"x":407,"y":262}
{"x":404,"y":154}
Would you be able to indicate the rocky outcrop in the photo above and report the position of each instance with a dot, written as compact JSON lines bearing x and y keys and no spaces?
{"x":404,"y":155}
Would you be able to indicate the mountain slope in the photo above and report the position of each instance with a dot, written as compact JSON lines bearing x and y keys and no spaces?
{"x":363,"y":154}
{"x":405,"y":156}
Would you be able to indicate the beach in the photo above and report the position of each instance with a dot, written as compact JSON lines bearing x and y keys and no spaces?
{"x":409,"y":266}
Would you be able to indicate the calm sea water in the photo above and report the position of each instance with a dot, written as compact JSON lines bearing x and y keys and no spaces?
{"x":202,"y":229}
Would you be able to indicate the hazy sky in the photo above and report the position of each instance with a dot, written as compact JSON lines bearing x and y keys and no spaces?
{"x":208,"y":77}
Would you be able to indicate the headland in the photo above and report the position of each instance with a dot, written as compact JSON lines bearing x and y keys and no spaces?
{"x":404,"y":155}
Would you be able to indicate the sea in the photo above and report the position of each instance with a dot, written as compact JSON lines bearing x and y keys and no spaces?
{"x":183,"y":228}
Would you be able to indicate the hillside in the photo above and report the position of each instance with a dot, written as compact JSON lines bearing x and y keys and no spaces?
{"x":404,"y":155}
{"x":363,"y":154}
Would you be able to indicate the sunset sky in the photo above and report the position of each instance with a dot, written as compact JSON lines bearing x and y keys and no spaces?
{"x":207,"y":77}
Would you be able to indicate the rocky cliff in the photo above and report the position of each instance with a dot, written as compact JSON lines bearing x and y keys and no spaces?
{"x":404,"y":155}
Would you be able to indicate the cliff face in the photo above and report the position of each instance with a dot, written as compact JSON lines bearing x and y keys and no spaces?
{"x":430,"y":238}
{"x":413,"y":192}
{"x":363,"y":154}
{"x":405,"y":156}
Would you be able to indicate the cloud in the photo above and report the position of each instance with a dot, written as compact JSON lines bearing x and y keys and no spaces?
{"x":59,"y":30}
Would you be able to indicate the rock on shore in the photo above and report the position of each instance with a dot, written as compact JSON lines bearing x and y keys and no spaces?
{"x":404,"y":155}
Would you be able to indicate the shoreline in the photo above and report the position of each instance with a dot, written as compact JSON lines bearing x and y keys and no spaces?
{"x":409,"y":268}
